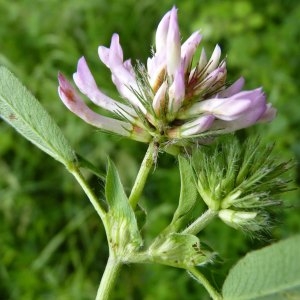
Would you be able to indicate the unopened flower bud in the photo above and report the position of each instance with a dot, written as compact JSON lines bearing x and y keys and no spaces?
{"x":238,"y":219}
{"x":241,"y":181}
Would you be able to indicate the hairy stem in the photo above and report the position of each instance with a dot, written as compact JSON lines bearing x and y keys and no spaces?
{"x":201,"y":222}
{"x":142,"y":176}
{"x":108,"y":279}
{"x":203,"y":280}
{"x":88,"y":191}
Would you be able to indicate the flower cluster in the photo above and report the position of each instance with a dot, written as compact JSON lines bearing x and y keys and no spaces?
{"x":175,"y":98}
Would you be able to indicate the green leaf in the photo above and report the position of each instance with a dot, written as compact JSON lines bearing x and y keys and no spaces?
{"x":269,"y":273}
{"x":20,"y":109}
{"x":188,"y":194}
{"x":120,"y":222}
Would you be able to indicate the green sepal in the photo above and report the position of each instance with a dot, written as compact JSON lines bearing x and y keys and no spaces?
{"x":187,"y":198}
{"x":20,"y":109}
{"x":179,"y":250}
{"x":269,"y":273}
{"x":120,"y":222}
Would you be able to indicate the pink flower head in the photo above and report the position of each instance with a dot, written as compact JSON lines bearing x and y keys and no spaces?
{"x":175,"y":98}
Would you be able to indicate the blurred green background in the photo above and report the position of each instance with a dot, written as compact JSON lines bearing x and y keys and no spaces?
{"x":52,"y":245}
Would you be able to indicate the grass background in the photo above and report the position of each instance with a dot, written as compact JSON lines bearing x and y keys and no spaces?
{"x":52,"y":245}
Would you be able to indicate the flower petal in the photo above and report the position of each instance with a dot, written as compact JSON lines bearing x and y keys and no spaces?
{"x":251,"y":116}
{"x":75,"y":104}
{"x":176,"y":93}
{"x":236,"y":87}
{"x":215,"y":80}
{"x":202,"y":60}
{"x":123,"y":75}
{"x":162,"y":32}
{"x":113,"y":59}
{"x":195,"y":127}
{"x":222,"y":108}
{"x":87,"y":85}
{"x":173,"y":44}
{"x":214,"y":60}
{"x":159,"y":100}
{"x":269,"y":114}
{"x":189,"y":48}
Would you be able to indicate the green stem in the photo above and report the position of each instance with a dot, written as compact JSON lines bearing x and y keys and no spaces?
{"x":108,"y":279}
{"x":203,"y":280}
{"x":142,"y":176}
{"x":88,"y":191}
{"x":201,"y":222}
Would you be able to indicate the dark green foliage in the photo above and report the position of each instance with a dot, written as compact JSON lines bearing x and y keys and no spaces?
{"x":39,"y":200}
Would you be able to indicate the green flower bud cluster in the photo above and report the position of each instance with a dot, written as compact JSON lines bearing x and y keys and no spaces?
{"x":240,"y":181}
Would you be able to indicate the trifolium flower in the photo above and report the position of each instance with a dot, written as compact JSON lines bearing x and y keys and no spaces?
{"x":174,"y":98}
{"x":240,"y":181}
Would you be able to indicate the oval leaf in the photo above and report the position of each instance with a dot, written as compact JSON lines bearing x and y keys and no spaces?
{"x":269,"y":273}
{"x":20,"y":109}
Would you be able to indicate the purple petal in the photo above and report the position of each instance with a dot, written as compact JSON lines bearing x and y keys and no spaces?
{"x":236,"y":87}
{"x":202,"y":60}
{"x":269,"y":114}
{"x":176,"y":93}
{"x":111,"y":56}
{"x":159,"y":100}
{"x":116,"y":52}
{"x":75,"y":104}
{"x":127,"y":92}
{"x":155,"y":67}
{"x":104,"y":55}
{"x":87,"y":85}
{"x":251,"y":94}
{"x":113,"y":59}
{"x":252,"y":115}
{"x":197,"y":126}
{"x":222,"y":108}
{"x":173,"y":46}
{"x":214,"y":60}
{"x":162,"y":32}
{"x":215,"y":79}
{"x":189,"y":48}
{"x":123,"y":75}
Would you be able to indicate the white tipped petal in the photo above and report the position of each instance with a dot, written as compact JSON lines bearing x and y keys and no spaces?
{"x":162,"y":32}
{"x":173,"y":44}
{"x":236,"y":219}
{"x":197,"y":126}
{"x":189,"y":47}
{"x":202,"y":60}
{"x":190,"y":129}
{"x":159,"y":100}
{"x":103,"y":53}
{"x":176,"y":93}
{"x":214,"y":60}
